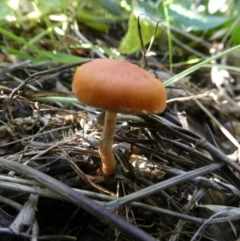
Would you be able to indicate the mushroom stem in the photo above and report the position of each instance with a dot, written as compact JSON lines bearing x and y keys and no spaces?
{"x":106,"y":142}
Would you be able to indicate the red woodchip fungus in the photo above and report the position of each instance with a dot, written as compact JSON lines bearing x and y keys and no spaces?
{"x":117,"y":86}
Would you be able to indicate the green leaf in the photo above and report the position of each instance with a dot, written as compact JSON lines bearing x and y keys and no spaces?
{"x":46,"y":55}
{"x":235,"y":35}
{"x":188,"y":20}
{"x":111,"y":6}
{"x":46,"y":6}
{"x":61,"y":57}
{"x":131,"y":41}
{"x":38,"y":7}
{"x":92,"y":21}
{"x":5,"y":11}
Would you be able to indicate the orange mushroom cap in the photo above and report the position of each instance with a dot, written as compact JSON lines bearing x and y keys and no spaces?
{"x":119,"y":86}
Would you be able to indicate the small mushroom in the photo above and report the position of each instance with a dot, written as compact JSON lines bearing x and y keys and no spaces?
{"x":117,"y":87}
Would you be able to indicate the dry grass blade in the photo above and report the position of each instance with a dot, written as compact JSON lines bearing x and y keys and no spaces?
{"x":116,"y":204}
{"x":78,"y":199}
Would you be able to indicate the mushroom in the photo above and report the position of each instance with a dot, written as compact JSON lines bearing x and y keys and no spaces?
{"x":117,"y":87}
